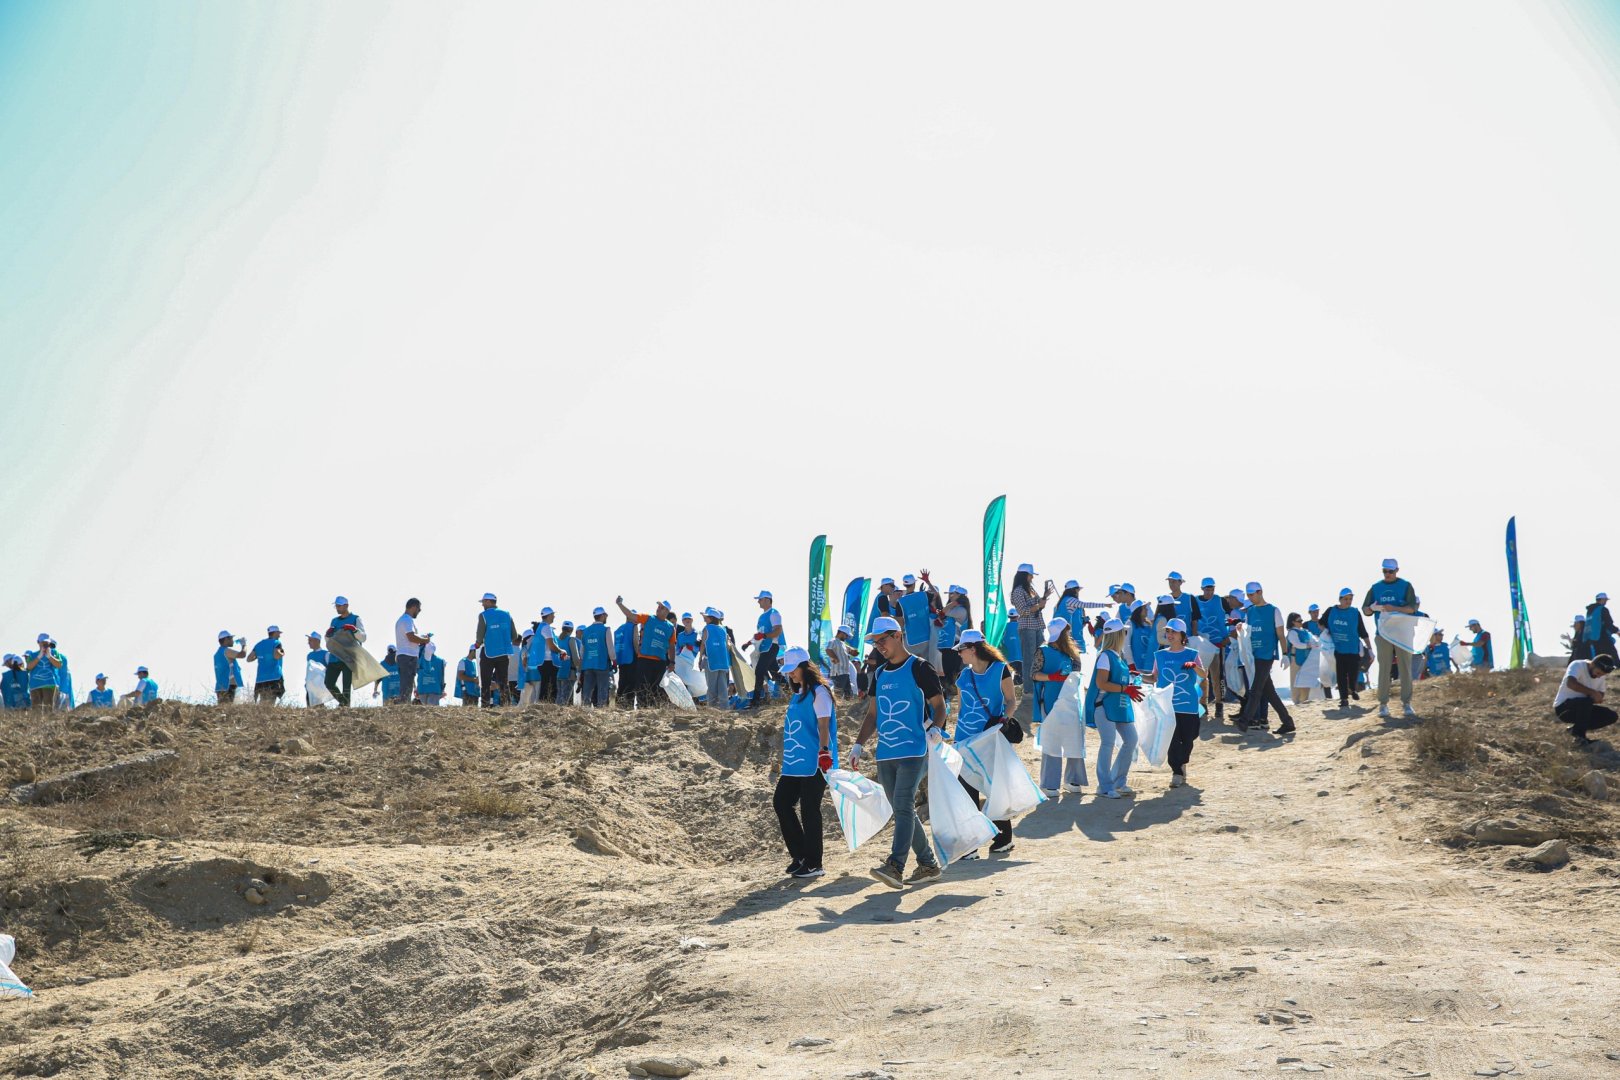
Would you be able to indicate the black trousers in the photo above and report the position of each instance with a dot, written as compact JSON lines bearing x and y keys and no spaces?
{"x":1582,"y":714}
{"x":1181,"y":743}
{"x":1003,"y":828}
{"x":335,"y":670}
{"x":1263,"y":697}
{"x":627,"y":684}
{"x":407,"y":677}
{"x":768,"y":665}
{"x":649,"y":673}
{"x":1347,"y":667}
{"x":548,"y":682}
{"x":492,"y":678}
{"x":798,"y":809}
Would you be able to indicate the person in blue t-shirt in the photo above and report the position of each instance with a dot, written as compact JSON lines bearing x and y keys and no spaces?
{"x":499,"y":638}
{"x":102,"y":696}
{"x":1177,"y":665}
{"x":388,"y":686}
{"x":14,"y":684}
{"x":146,"y":688}
{"x":268,"y":684}
{"x":1268,"y":637}
{"x":1391,"y":594}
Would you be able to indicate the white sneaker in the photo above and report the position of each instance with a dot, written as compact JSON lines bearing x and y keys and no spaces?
{"x":1409,"y":712}
{"x":1383,"y":712}
{"x":1129,"y":793}
{"x":1050,"y":793}
{"x":1177,"y":780}
{"x":1109,"y":794}
{"x":1076,"y":788}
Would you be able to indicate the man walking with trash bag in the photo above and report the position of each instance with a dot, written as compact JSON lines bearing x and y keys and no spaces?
{"x":905,"y":688}
{"x":339,"y":678}
{"x":1391,"y":594}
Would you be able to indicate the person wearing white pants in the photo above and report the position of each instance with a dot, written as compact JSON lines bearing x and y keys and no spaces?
{"x":1108,"y":703}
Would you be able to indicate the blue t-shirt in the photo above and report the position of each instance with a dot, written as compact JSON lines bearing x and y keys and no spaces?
{"x":101,"y":699}
{"x":801,"y":734}
{"x":1188,"y":687}
{"x":269,"y":666}
{"x":43,"y":673}
{"x":981,"y":700}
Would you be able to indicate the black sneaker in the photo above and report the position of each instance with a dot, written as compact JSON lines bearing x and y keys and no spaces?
{"x":793,"y":868}
{"x":890,"y":874}
{"x":1287,"y":729}
{"x":809,"y":872}
{"x":999,"y":848}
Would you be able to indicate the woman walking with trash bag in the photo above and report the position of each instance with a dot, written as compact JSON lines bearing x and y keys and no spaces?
{"x":986,"y":686}
{"x":1053,"y":663}
{"x":809,"y":746}
{"x":1304,"y":656}
{"x":903,"y":690}
{"x":1108,"y":704}
{"x":1178,"y":666}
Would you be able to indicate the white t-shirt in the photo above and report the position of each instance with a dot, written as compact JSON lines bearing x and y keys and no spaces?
{"x":403,"y":645}
{"x":1581,"y":671}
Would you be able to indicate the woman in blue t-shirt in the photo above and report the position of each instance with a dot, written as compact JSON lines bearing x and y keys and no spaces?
{"x":1176,"y":665}
{"x":986,"y":683}
{"x":1053,"y":664}
{"x":809,"y":744}
{"x":1107,"y":706}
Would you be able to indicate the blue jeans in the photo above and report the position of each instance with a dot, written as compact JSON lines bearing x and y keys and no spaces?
{"x":1071,"y":770}
{"x":1112,"y":770}
{"x":595,"y":690}
{"x":900,"y":778}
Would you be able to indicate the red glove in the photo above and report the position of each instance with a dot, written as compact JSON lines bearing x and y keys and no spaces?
{"x":1133,"y":669}
{"x":349,"y":626}
{"x":824,"y":762}
{"x":759,"y":637}
{"x":925,"y":577}
{"x":1134,"y":693}
{"x":1189,"y":665}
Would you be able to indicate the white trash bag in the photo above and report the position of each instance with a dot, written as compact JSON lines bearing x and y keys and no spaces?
{"x":1206,"y":651}
{"x":315,"y":685}
{"x":991,"y":764}
{"x":686,"y":667}
{"x":10,"y":985}
{"x":1408,"y":633}
{"x":1155,"y":723}
{"x":679,"y":696}
{"x":862,"y":807}
{"x":958,"y":826}
{"x":1063,"y":735}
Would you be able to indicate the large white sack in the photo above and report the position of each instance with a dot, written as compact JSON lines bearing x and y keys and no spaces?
{"x":861,"y":806}
{"x":1326,"y":666}
{"x":315,"y":685}
{"x":686,"y":667}
{"x":679,"y":696}
{"x":1408,"y":633}
{"x":1063,"y":735}
{"x":957,"y":825}
{"x":10,"y":985}
{"x":1206,"y":651}
{"x":991,"y":764}
{"x":1155,"y":723}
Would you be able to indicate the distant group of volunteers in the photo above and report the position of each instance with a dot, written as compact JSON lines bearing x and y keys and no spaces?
{"x":1172,"y":661}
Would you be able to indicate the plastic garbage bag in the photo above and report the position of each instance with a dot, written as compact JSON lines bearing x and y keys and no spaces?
{"x":742,"y":672}
{"x":1206,"y":651}
{"x":1326,"y":666}
{"x":991,"y":764}
{"x":10,"y":985}
{"x":958,"y":826}
{"x":362,"y":664}
{"x":1408,"y":633}
{"x":315,"y":685}
{"x":679,"y":696}
{"x":686,"y":667}
{"x":1155,"y":723}
{"x":862,"y":807}
{"x":1063,"y":735}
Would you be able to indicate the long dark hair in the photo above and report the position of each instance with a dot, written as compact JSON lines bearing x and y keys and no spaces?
{"x":1065,"y":645}
{"x":1142,"y":616}
{"x":986,"y":651}
{"x":1025,"y":579}
{"x":1167,"y":610}
{"x":810,"y":677}
{"x":1071,"y":594}
{"x":967,"y":606}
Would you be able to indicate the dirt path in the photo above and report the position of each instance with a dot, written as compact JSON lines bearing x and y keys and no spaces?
{"x":1149,"y":936}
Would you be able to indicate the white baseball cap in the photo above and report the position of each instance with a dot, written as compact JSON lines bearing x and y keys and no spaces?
{"x":543,"y":611}
{"x":969,"y":637}
{"x":847,"y":631}
{"x":765,"y":594}
{"x":1055,"y":628}
{"x":1111,"y":625}
{"x":909,"y":579}
{"x":43,"y":638}
{"x":1177,"y":625}
{"x":793,"y":658}
{"x":882,"y":625}
{"x":272,"y":629}
{"x":599,"y":611}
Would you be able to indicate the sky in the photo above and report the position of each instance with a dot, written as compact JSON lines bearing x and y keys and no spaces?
{"x":568,"y":301}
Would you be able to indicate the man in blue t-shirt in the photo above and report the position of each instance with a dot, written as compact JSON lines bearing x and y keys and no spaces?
{"x":499,"y":639}
{"x":227,"y":669}
{"x":268,"y":684}
{"x":1344,"y":627}
{"x":1388,"y":595}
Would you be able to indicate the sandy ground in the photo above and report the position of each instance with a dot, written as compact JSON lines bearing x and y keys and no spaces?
{"x":1296,"y":909}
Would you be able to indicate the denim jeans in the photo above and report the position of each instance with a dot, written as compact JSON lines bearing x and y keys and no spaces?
{"x":719,"y":695}
{"x":595,"y":690}
{"x":901,"y":777}
{"x":1071,"y":770}
{"x":1112,"y":769}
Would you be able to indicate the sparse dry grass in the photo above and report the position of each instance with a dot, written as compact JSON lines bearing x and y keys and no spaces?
{"x":491,"y":802}
{"x":1445,"y":741}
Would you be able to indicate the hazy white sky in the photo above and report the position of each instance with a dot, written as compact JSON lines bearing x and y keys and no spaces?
{"x":570,"y":300}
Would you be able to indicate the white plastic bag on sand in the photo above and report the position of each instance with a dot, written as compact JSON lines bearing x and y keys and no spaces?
{"x":861,"y":806}
{"x":679,"y":696}
{"x":686,"y":667}
{"x":1408,"y":633}
{"x":1327,"y":667}
{"x":958,"y":826}
{"x":1063,"y":735}
{"x":315,"y":685}
{"x":991,"y":764}
{"x":1155,"y":723}
{"x":361,"y":664}
{"x":10,"y":985}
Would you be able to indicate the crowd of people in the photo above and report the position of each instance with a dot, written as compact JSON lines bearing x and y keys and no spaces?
{"x":924,"y":659}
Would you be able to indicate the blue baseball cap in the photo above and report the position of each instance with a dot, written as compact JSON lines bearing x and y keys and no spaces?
{"x":1391,"y":564}
{"x":885,"y":581}
{"x":765,"y":594}
{"x":1313,"y":607}
{"x":1207,"y":583}
{"x":1347,"y":592}
{"x":343,"y":601}
{"x":1175,"y":575}
{"x":141,"y":670}
{"x":100,"y":676}
{"x":1112,"y":589}
{"x":1126,"y":586}
{"x":1253,"y":587}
